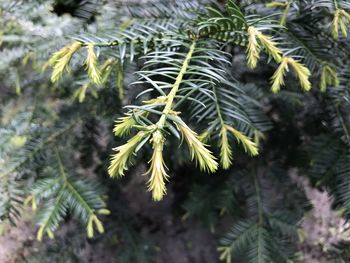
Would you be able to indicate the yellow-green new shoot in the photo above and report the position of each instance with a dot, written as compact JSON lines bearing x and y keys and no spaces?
{"x":120,"y":160}
{"x":249,"y":146}
{"x":198,"y":150}
{"x":60,"y":60}
{"x":225,"y":149}
{"x":329,"y":77}
{"x":257,"y":39}
{"x":253,"y":48}
{"x":301,"y":72}
{"x":123,"y":125}
{"x":156,"y":183}
{"x":91,"y":65}
{"x":270,"y":46}
{"x":341,"y":19}
{"x":90,"y":226}
{"x":278,"y":77}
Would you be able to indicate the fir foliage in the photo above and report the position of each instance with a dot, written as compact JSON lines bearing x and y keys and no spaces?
{"x":209,"y":83}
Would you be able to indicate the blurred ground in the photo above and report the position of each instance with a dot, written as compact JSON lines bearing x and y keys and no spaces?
{"x":322,"y":227}
{"x":16,"y":241}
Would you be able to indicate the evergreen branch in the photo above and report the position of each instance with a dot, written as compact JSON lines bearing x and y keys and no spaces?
{"x":39,"y":147}
{"x":72,"y":195}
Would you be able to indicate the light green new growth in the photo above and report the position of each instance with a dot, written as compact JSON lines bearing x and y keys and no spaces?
{"x":225,"y":149}
{"x":156,"y":182}
{"x":123,"y":125}
{"x":249,"y":146}
{"x":205,"y":159}
{"x":301,"y":72}
{"x":120,"y":160}
{"x":328,"y":77}
{"x":60,"y":60}
{"x":253,"y":47}
{"x":171,"y":96}
{"x":157,"y":170}
{"x":341,"y":19}
{"x":91,"y":65}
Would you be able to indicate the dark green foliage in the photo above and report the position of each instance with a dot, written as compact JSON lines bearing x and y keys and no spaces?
{"x":269,"y":230}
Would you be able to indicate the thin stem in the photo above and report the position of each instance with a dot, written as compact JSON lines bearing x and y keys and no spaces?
{"x":67,"y":183}
{"x":55,"y":209}
{"x":335,"y":3}
{"x":60,"y":165}
{"x":117,"y":42}
{"x":218,"y":107}
{"x":172,"y":93}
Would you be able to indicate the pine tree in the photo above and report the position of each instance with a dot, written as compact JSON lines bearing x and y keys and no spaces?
{"x":243,"y":91}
